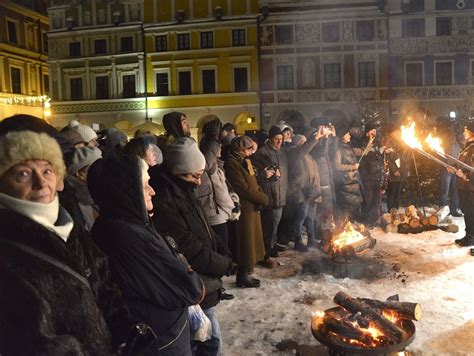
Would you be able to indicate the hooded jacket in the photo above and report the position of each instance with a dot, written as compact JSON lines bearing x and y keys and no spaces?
{"x":467,"y":156}
{"x":156,"y":285}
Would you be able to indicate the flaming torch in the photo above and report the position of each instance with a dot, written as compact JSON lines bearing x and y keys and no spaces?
{"x":435,"y":144}
{"x":410,"y":139}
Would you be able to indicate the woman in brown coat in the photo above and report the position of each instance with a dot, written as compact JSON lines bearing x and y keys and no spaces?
{"x":249,"y":247}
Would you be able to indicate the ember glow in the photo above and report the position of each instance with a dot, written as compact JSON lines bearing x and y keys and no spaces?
{"x":409,"y":137}
{"x":434,"y":143}
{"x":347,"y":237}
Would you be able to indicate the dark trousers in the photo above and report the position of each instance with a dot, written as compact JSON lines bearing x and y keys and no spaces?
{"x":393,"y":195}
{"x":223,"y":232}
{"x":466,"y":201}
{"x":448,"y":185}
{"x":372,"y":201}
{"x":270,"y":220}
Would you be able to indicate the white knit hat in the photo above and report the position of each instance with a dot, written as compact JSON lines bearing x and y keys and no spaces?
{"x":83,"y":157}
{"x":86,"y":132}
{"x":20,"y":146}
{"x":183,"y":156}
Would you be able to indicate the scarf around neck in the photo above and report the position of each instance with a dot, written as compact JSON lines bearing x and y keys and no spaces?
{"x":51,"y":215}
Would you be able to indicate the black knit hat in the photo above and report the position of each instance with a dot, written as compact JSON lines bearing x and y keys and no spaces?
{"x":370,"y":126}
{"x":274,"y":130}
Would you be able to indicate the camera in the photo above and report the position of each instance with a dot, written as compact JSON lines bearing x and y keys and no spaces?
{"x":274,"y":167}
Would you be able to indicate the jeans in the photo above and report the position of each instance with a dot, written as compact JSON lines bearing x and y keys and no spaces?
{"x":305,"y":213}
{"x":210,"y":347}
{"x":448,"y":183}
{"x":270,"y":220}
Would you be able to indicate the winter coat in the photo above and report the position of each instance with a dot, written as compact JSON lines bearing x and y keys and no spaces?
{"x":156,"y":284}
{"x":48,"y":311}
{"x":346,"y":179}
{"x":75,"y":198}
{"x":394,"y":165}
{"x":324,"y":149}
{"x":371,"y":165}
{"x":275,"y":188}
{"x":249,"y":247}
{"x":467,"y":156}
{"x":179,"y":214}
{"x":223,"y":203}
{"x":304,"y":182}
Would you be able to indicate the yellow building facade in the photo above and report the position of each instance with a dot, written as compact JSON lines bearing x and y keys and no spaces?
{"x":202,"y":59}
{"x":24,"y":80}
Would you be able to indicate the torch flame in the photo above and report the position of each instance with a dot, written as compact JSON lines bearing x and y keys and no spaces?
{"x":347,"y":237}
{"x":434,"y":143}
{"x":408,"y":136}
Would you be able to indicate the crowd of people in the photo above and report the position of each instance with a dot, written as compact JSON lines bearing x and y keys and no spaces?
{"x":106,"y":243}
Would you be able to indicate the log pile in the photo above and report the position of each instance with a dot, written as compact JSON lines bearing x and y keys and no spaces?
{"x":412,"y":220}
{"x":369,"y":322}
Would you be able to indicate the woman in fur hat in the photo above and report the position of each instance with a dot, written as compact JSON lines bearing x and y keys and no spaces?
{"x":55,"y":298}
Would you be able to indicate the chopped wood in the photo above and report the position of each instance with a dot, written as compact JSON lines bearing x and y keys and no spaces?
{"x":433,"y":220}
{"x":392,"y":331}
{"x":425,"y":221}
{"x":414,"y":223}
{"x":391,"y":228}
{"x":405,"y":310}
{"x":387,"y":218}
{"x":346,"y":329}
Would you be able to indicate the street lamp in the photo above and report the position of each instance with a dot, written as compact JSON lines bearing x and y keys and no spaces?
{"x":452,"y":114}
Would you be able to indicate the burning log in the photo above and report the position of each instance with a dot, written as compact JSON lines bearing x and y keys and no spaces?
{"x":391,"y":331}
{"x":346,"y":329}
{"x":405,"y":310}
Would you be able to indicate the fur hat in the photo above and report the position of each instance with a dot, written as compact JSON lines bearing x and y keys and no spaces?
{"x":183,"y":156}
{"x":274,"y":130}
{"x":71,"y":135}
{"x":83,"y":157}
{"x":16,"y":147}
{"x":86,"y":132}
{"x":242,"y":142}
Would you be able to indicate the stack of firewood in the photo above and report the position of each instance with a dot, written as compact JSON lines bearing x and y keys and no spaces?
{"x":364,"y":313}
{"x":411,"y":219}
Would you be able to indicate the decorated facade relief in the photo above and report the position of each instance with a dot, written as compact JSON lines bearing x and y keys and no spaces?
{"x":266,"y":35}
{"x":446,"y":44}
{"x":308,"y":33}
{"x":381,"y":29}
{"x":347,"y":31}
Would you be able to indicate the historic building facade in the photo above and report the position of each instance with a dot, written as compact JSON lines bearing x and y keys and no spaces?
{"x":24,"y":82}
{"x":124,"y":61}
{"x":325,"y":55}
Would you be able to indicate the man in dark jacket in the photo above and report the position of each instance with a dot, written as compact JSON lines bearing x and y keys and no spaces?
{"x":157,"y":286}
{"x":180,"y":214}
{"x":272,"y":175}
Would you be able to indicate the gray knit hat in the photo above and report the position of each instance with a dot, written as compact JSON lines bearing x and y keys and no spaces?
{"x":83,"y":157}
{"x":183,"y":156}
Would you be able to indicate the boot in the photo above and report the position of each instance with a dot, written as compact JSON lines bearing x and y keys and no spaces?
{"x":465,"y":241}
{"x":300,"y":246}
{"x":267,"y":263}
{"x":245,"y":281}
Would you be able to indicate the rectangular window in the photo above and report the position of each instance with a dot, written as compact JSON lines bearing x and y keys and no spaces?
{"x":414,"y":74}
{"x":284,"y":34}
{"x":331,"y":32}
{"x":75,"y":49}
{"x":207,"y":39}
{"x":128,"y":85}
{"x":208,"y":81}
{"x":161,"y":43}
{"x":365,"y":30}
{"x":238,"y":37}
{"x":46,"y":84}
{"x":102,"y":87}
{"x":285,"y":77}
{"x":413,"y":28}
{"x":183,"y":41}
{"x":443,"y":26}
{"x":332,"y":75}
{"x":444,"y":73}
{"x":241,"y":80}
{"x":12,"y":32}
{"x":76,"y":88}
{"x":15,"y":74}
{"x":184,"y":79}
{"x":126,"y":44}
{"x":45,"y":43}
{"x":162,"y":84}
{"x":366,"y":74}
{"x":100,"y":46}
{"x":417,"y":5}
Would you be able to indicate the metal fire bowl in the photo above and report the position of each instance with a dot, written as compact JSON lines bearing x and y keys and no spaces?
{"x":320,"y":335}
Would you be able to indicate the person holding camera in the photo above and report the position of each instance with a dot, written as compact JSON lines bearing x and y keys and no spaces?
{"x":248,"y":247}
{"x":272,"y":175}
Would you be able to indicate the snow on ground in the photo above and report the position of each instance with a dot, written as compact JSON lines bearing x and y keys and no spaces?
{"x":426,"y":268}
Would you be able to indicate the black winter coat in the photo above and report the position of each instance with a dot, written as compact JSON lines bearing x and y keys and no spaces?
{"x":48,"y":311}
{"x":346,"y":179}
{"x":180,"y":214}
{"x":157,"y":286}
